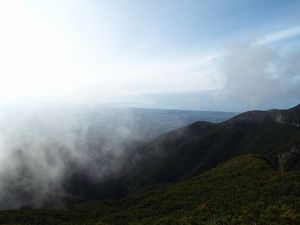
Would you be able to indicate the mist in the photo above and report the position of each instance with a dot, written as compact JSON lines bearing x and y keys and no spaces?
{"x":42,"y":147}
{"x":52,"y":153}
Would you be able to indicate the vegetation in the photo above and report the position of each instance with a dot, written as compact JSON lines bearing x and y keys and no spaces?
{"x":245,"y":190}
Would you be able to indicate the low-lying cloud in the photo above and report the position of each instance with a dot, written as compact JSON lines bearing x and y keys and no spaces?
{"x":51,"y":153}
{"x":258,"y":75}
{"x":43,"y":147}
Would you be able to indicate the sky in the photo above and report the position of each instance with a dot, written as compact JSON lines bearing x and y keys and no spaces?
{"x":193,"y":54}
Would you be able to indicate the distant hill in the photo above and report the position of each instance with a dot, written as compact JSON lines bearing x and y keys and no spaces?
{"x":289,"y":116}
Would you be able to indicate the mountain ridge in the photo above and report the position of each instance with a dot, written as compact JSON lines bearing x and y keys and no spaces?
{"x":291,"y":116}
{"x":200,"y":146}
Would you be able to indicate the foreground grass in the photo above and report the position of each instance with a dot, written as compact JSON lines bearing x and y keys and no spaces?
{"x":244,"y":190}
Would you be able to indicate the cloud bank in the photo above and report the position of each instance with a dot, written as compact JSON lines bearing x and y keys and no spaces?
{"x":259,"y":75}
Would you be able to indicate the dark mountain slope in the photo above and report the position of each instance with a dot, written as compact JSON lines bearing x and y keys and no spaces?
{"x":244,"y":190}
{"x":186,"y":152}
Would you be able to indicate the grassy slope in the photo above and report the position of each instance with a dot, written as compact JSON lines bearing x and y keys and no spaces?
{"x":245,"y":189}
{"x":214,"y":144}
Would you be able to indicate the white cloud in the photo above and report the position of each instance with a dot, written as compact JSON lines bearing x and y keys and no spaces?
{"x":259,"y":75}
{"x":279,"y":35}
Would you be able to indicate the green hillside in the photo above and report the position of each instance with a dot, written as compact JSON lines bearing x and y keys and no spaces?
{"x":187,"y":152}
{"x":244,"y":190}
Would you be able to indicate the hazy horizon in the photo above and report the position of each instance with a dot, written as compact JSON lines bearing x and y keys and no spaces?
{"x":196,"y":55}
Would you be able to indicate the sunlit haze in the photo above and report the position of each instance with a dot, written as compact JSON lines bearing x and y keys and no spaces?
{"x":216,"y":55}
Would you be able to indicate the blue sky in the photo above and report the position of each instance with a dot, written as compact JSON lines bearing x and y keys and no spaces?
{"x":206,"y":55}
